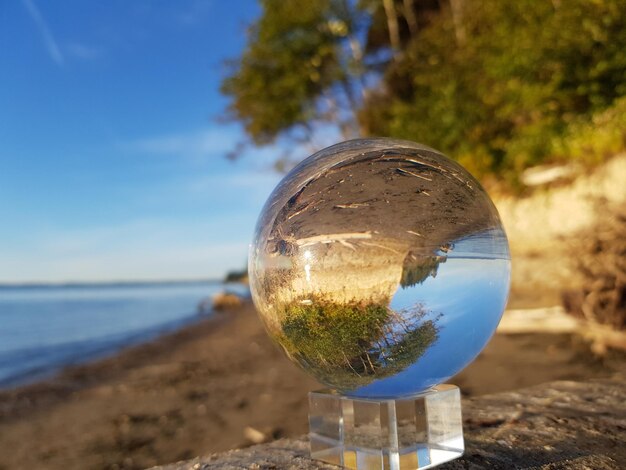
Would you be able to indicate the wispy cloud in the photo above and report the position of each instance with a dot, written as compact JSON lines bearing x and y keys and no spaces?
{"x":252,"y":184}
{"x":140,"y":249}
{"x":122,"y":263}
{"x":195,"y":12}
{"x":199,"y":143}
{"x":49,"y":41}
{"x":211,"y":142}
{"x":83,"y":51}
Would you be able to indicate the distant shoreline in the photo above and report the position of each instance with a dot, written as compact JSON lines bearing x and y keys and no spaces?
{"x":49,"y":327}
{"x":87,"y":284}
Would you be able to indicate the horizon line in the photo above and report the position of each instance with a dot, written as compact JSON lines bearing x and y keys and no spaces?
{"x":119,"y":282}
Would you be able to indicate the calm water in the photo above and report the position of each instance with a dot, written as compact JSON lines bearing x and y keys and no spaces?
{"x":464,"y":301}
{"x":45,"y":328}
{"x":463,"y":298}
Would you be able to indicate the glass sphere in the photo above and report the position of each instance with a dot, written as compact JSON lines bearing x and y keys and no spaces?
{"x":380,"y":266}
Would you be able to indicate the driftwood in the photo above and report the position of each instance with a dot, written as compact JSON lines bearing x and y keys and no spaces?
{"x":556,"y":320}
{"x":560,"y":425}
{"x":538,"y":320}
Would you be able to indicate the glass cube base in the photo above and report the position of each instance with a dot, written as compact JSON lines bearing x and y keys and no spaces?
{"x":415,"y":432}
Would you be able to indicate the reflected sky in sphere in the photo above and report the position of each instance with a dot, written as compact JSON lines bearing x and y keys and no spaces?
{"x":470,"y":294}
{"x":380,"y":267}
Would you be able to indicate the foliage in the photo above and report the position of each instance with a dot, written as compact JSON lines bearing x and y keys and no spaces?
{"x":527,"y":70}
{"x":347,"y":345}
{"x":499,"y":86}
{"x":297,"y":53}
{"x":413,"y":346}
{"x":592,"y":141}
{"x":330,"y":333}
{"x":237,"y":276}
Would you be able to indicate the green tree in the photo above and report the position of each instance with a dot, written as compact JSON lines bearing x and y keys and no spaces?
{"x":494,"y":84}
{"x":302,"y":67}
{"x":524,"y":72}
{"x":347,"y":345}
{"x":416,"y":269}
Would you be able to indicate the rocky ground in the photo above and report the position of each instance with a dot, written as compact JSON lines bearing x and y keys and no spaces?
{"x":546,"y":427}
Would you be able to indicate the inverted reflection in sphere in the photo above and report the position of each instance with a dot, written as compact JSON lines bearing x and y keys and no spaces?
{"x":380,"y":266}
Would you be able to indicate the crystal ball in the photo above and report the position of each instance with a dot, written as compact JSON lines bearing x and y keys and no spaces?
{"x":380,"y":266}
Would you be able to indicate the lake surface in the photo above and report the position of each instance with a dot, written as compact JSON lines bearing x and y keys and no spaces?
{"x":43,"y":328}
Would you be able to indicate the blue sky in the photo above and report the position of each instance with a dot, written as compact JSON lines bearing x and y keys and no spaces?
{"x":111,"y":159}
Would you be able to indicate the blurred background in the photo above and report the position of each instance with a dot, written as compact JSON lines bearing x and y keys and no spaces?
{"x":139,"y":140}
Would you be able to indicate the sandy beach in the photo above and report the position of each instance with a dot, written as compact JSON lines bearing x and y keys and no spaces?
{"x":216,"y":385}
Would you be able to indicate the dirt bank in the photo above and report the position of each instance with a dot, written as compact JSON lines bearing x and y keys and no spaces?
{"x":543,"y":230}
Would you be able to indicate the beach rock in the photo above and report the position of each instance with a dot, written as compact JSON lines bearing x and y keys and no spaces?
{"x":226,"y":301}
{"x":219,"y":302}
{"x":559,"y":425}
{"x":254,"y":435}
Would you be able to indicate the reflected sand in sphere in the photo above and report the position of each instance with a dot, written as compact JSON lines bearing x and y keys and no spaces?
{"x":380,"y":266}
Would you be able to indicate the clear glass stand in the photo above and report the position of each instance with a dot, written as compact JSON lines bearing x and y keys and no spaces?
{"x":415,"y":432}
